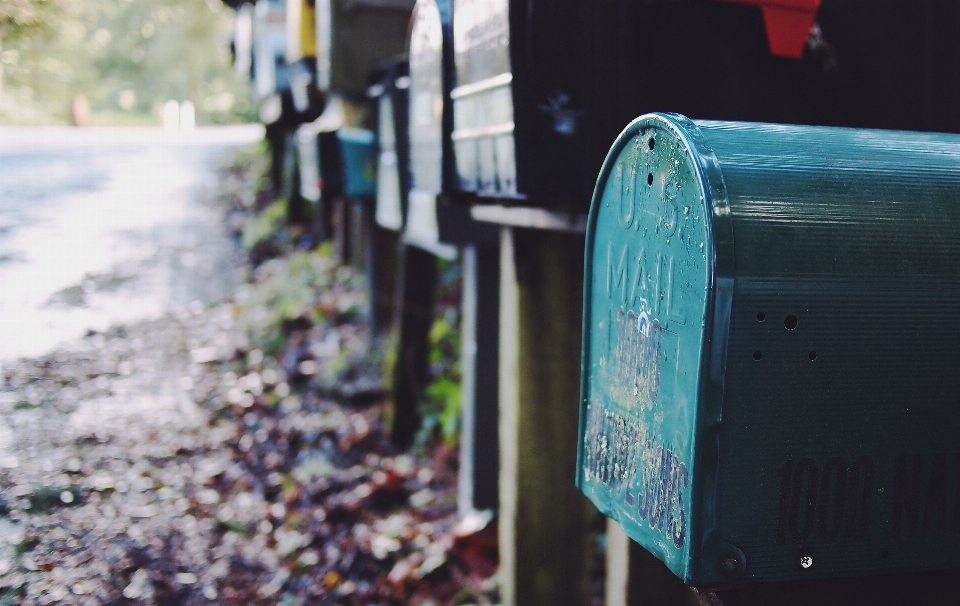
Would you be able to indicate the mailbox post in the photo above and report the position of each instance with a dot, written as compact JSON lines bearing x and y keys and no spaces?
{"x":769,"y":333}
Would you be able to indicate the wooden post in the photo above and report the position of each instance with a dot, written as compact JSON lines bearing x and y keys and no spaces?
{"x":359,"y":238}
{"x":276,"y":142}
{"x":477,"y":489}
{"x":382,"y":269}
{"x":543,"y":521}
{"x":339,"y":230}
{"x":637,"y":578}
{"x":417,"y":287}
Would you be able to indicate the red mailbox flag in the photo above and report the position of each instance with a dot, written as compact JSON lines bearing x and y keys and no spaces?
{"x":788,"y":24}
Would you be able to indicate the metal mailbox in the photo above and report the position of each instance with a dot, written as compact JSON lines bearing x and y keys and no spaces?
{"x":346,"y":161}
{"x":359,"y":162}
{"x":308,"y":156}
{"x":335,"y":161}
{"x":519,"y":114}
{"x":770,"y":386}
{"x":389,"y":93}
{"x":353,"y":36}
{"x":430,"y":122}
{"x":301,"y":57}
{"x":269,"y":31}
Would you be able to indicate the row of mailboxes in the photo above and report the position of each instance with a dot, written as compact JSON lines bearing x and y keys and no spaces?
{"x":302,"y":48}
{"x":533,"y":92}
{"x":770,"y":341}
{"x":518,"y":101}
{"x":537,"y":90}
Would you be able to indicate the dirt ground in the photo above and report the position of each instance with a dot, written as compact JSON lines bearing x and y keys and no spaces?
{"x":172,"y":461}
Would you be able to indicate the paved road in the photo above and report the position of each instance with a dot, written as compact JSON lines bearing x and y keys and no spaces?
{"x":106,"y":226}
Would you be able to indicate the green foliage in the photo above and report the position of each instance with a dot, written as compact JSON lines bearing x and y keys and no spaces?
{"x":265,"y":226}
{"x":18,"y":17}
{"x":442,"y":397}
{"x":126,"y":56}
{"x":303,"y":286}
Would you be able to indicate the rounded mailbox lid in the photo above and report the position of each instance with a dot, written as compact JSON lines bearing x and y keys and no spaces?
{"x":651,"y":256}
{"x":429,"y":122}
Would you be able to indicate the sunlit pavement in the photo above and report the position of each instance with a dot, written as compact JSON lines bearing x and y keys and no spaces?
{"x":103,"y":226}
{"x":113,"y":259}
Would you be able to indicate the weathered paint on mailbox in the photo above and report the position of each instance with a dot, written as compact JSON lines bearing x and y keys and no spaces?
{"x":770,"y":341}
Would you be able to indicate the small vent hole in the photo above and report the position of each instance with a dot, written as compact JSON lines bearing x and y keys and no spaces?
{"x":790,"y":322}
{"x":651,"y":143}
{"x":761,"y":316}
{"x":757,"y":356}
{"x":812,"y":355}
{"x":649,"y":178}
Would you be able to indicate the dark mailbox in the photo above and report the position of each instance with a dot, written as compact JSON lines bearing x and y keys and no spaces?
{"x":770,"y":386}
{"x":346,"y":162}
{"x":353,"y":36}
{"x":389,"y":94}
{"x":519,"y":112}
{"x":430,"y":119}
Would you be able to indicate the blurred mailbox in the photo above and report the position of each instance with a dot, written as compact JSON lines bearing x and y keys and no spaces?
{"x":359,"y":162}
{"x":353,"y":36}
{"x":301,"y":59}
{"x":769,"y":384}
{"x":334,"y":163}
{"x":430,"y":122}
{"x":269,"y":40}
{"x":347,"y":163}
{"x":389,"y":93}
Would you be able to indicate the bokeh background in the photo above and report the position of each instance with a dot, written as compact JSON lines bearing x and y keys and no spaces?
{"x":125,"y":57}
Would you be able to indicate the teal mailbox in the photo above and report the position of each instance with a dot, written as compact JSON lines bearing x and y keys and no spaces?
{"x":771,"y":349}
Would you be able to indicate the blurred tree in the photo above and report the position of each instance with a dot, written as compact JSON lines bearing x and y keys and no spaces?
{"x":126,"y":56}
{"x":19,"y":18}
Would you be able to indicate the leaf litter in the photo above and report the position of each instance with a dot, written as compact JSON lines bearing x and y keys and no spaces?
{"x":230,"y":454}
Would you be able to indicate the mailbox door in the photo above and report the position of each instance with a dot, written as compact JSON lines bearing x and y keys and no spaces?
{"x":649,"y":292}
